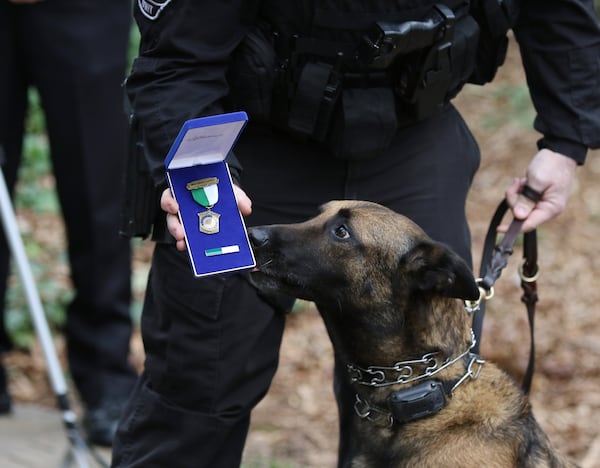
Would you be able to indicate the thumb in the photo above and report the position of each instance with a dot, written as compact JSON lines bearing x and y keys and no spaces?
{"x":527,"y":201}
{"x":523,"y":207}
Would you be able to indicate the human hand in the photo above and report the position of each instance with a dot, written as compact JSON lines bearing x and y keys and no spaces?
{"x":552,"y":175}
{"x":171,"y":207}
{"x":243,"y":201}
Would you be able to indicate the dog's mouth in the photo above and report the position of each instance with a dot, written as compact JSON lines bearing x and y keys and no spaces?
{"x":265,"y":277}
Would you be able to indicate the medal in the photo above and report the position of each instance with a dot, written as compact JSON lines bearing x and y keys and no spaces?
{"x":205,"y":192}
{"x":208,"y":222}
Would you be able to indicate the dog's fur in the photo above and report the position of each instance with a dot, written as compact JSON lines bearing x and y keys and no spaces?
{"x":387,"y":293}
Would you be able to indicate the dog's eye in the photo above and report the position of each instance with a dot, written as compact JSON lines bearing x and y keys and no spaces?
{"x":342,"y":232}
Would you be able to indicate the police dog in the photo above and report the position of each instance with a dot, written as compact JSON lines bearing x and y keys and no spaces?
{"x":389,"y":298}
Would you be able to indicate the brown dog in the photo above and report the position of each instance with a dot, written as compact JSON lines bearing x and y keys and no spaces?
{"x":388,"y":297}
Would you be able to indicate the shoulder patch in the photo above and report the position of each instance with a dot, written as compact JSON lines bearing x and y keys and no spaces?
{"x":152,"y":9}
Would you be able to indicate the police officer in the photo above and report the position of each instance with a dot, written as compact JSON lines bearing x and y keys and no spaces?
{"x":346,"y":100}
{"x":74,"y":52}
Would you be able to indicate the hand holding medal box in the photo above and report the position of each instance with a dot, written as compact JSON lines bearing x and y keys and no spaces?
{"x":199,"y":178}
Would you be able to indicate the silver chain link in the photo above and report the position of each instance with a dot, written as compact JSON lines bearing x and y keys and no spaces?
{"x":403,"y":371}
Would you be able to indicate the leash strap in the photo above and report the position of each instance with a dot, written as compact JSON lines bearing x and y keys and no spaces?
{"x":495,"y":258}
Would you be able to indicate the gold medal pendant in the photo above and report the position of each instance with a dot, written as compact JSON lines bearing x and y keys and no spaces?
{"x":205,"y":192}
{"x":209,"y":222}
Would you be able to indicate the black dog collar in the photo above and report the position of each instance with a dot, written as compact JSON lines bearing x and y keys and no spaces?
{"x":424,"y":399}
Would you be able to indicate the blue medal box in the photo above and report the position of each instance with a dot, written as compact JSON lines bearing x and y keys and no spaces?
{"x":199,"y":178}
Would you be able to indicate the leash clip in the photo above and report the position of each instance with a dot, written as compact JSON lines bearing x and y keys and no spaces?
{"x":484,"y":295}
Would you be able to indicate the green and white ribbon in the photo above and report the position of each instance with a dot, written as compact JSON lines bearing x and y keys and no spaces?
{"x":205,"y":192}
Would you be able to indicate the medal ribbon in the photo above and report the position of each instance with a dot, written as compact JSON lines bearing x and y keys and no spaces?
{"x":207,"y":196}
{"x":205,"y":192}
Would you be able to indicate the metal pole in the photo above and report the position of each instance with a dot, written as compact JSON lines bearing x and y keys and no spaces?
{"x":15,"y":243}
{"x":78,"y":447}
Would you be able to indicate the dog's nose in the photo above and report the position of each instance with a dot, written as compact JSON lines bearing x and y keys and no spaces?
{"x":259,"y":236}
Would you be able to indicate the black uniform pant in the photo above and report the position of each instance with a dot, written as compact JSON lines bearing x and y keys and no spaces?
{"x":74,"y":53}
{"x":212,"y":344}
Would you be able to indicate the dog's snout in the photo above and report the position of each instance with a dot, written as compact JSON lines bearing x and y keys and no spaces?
{"x":259,"y":236}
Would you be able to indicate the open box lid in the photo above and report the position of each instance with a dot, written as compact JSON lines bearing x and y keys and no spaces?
{"x":205,"y":140}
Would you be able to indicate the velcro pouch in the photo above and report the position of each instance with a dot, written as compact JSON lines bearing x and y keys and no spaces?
{"x":464,"y":53}
{"x":306,"y":104}
{"x":365,"y":124}
{"x":251,"y":76}
{"x":495,"y":19}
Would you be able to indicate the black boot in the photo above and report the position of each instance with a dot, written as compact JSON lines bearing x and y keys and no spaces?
{"x":100,"y":422}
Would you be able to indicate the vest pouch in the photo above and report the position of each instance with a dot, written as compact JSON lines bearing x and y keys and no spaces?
{"x":365,"y":123}
{"x":463,"y":53}
{"x":251,"y":76}
{"x":311,"y":107}
{"x":495,"y":18}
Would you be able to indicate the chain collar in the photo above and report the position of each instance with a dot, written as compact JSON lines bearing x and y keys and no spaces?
{"x":385,"y":418}
{"x":403,"y":372}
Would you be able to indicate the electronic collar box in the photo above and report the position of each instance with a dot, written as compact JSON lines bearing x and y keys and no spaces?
{"x":199,"y":178}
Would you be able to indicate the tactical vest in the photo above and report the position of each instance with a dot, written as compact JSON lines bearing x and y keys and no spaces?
{"x":349,"y":73}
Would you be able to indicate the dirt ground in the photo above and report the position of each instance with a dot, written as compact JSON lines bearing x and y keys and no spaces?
{"x":296,"y":424}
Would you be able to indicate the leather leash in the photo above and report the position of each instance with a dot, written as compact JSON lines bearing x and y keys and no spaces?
{"x":495,"y":258}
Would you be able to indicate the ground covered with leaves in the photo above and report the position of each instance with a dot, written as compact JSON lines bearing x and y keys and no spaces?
{"x":296,"y":424}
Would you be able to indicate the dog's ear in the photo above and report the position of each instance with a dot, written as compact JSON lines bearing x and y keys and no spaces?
{"x":436,"y":268}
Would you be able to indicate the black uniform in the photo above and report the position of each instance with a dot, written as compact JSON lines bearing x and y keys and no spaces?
{"x":212,"y":344}
{"x":74,"y":53}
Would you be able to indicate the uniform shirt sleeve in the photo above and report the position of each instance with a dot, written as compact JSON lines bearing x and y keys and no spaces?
{"x":180,"y":71}
{"x":560,"y":48}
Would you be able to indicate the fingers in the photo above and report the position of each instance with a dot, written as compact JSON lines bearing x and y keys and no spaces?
{"x":243,"y":201}
{"x":171,"y":207}
{"x":176,"y":229}
{"x":549,"y":175}
{"x":521,"y":206}
{"x":523,"y":198}
{"x":534,"y":214}
{"x":168,"y":204}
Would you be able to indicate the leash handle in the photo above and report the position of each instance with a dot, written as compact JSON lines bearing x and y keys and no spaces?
{"x":495,"y":258}
{"x":529,"y":272}
{"x":491,"y":267}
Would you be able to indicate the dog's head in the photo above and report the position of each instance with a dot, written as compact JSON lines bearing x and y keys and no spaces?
{"x":362,"y":264}
{"x":356,"y":250}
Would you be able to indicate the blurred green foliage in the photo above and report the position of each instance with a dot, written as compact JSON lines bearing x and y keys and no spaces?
{"x":31,"y":192}
{"x":35,"y":195}
{"x":515,"y":102}
{"x":265,"y":463}
{"x":134,"y":41}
